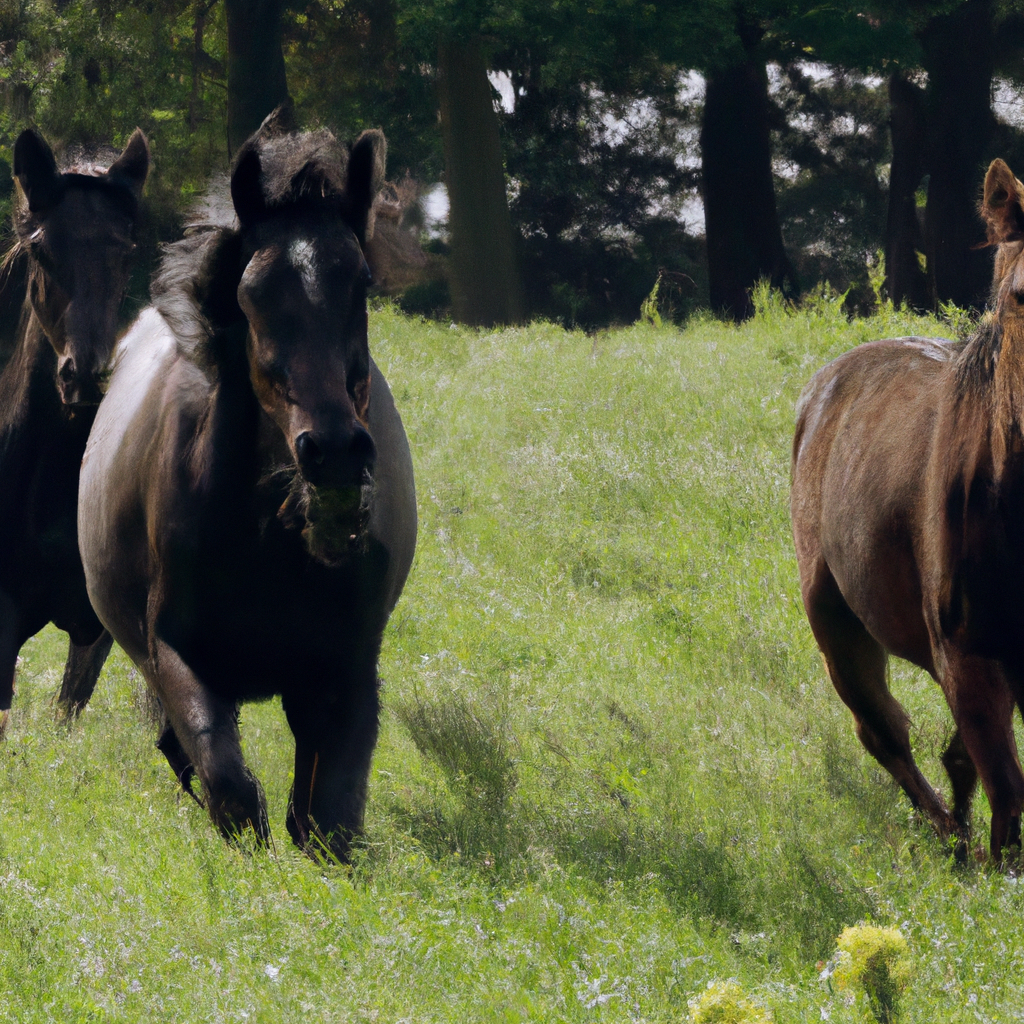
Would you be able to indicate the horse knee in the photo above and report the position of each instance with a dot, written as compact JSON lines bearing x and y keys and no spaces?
{"x":888,"y":744}
{"x":234,"y":799}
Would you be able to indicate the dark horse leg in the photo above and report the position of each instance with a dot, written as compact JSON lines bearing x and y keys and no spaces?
{"x":81,"y":670}
{"x":983,"y":702}
{"x":856,"y":664}
{"x":333,"y":750}
{"x":963,"y":777}
{"x":9,"y":646}
{"x":170,"y":746}
{"x":201,"y":735}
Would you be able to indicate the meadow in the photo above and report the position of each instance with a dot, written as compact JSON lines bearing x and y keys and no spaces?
{"x":611,"y":768}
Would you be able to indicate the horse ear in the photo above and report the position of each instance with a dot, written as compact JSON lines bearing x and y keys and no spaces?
{"x":1003,"y":205}
{"x":247,"y":185}
{"x":280,"y":121}
{"x":36,"y":171}
{"x":132,"y":165}
{"x":364,"y":177}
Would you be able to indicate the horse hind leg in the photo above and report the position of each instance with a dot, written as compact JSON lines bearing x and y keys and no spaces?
{"x":856,"y":664}
{"x":81,"y":670}
{"x":983,"y":702}
{"x":963,"y":777}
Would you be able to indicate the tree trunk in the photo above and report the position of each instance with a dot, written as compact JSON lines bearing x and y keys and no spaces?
{"x":905,"y":280}
{"x":200,"y":12}
{"x":958,"y":56}
{"x":742,"y":225}
{"x":256,"y":74}
{"x":484,"y":276}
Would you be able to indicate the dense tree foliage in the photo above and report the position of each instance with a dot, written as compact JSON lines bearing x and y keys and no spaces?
{"x":813,"y":138}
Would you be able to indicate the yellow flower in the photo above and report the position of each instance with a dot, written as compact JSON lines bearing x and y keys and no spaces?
{"x":723,"y":1002}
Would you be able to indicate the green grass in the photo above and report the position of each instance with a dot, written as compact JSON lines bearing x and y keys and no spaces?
{"x":611,"y":769}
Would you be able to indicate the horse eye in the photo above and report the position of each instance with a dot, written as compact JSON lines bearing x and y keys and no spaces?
{"x":276,"y":375}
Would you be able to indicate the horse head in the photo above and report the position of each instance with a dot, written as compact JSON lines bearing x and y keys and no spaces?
{"x":1003,"y":210}
{"x":303,"y":207}
{"x":78,"y":230}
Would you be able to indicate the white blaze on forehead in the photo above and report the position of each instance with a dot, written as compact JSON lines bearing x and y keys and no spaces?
{"x":302,"y":256}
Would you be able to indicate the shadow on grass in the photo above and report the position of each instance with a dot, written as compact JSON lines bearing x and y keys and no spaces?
{"x":595,"y":819}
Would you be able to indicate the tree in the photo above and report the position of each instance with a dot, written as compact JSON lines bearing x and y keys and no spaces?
{"x":742,"y":226}
{"x":256,"y":71}
{"x":832,"y":142}
{"x":484,"y":273}
{"x":485,"y":279}
{"x":906,"y":281}
{"x":958,"y":56}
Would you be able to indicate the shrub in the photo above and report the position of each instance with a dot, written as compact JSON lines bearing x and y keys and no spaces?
{"x":875,"y":960}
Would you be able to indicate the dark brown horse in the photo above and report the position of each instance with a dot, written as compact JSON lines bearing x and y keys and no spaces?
{"x":908,"y":516}
{"x":247,"y":514}
{"x":76,"y":231}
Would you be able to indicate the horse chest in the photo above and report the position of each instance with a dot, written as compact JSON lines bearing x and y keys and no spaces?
{"x":253,"y":626}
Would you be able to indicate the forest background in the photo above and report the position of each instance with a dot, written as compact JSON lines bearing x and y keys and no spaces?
{"x":814,"y":139}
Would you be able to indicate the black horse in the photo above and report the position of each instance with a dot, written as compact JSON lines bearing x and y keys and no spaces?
{"x":76,"y":230}
{"x":248,"y":515}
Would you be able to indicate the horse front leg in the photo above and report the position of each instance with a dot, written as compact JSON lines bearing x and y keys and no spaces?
{"x":963,"y":777}
{"x":333,"y":750}
{"x":81,"y":670}
{"x":201,"y":736}
{"x":982,"y":701}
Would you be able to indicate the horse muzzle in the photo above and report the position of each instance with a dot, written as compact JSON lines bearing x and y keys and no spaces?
{"x":77,"y":389}
{"x":342,"y":464}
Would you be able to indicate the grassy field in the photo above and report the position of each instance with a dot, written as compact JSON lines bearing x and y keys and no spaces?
{"x":611,"y":769}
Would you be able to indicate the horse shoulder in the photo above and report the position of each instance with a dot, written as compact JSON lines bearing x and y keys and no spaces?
{"x":393,"y":518}
{"x":975,"y":503}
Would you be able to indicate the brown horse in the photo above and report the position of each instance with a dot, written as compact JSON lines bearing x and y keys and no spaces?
{"x":908,"y":517}
{"x":75,"y":229}
{"x":247,"y":515}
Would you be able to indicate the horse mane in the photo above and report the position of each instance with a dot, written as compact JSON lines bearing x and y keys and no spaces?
{"x":299,"y":168}
{"x":195,"y":286}
{"x":974,"y":365}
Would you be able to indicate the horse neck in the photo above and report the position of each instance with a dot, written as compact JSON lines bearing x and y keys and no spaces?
{"x":1007,"y":419}
{"x":230,"y":429}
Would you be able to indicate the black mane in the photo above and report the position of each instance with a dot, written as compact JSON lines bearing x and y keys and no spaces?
{"x":301,"y":169}
{"x":83,"y":178}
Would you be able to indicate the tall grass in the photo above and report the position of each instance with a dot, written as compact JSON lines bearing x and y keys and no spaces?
{"x":611,"y":769}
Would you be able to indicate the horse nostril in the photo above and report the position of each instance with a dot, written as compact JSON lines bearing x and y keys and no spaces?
{"x":309,"y":454}
{"x":362,"y":453}
{"x":66,"y":369}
